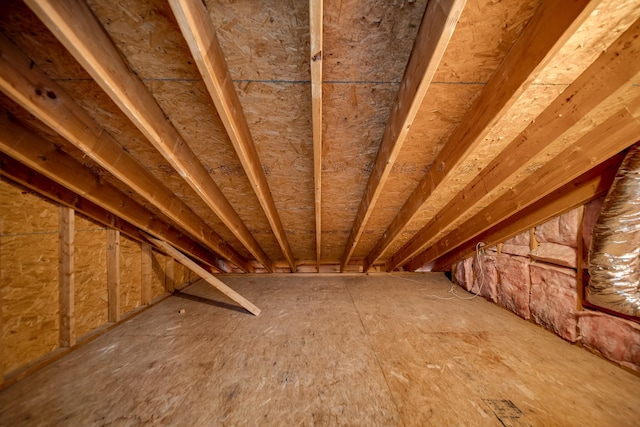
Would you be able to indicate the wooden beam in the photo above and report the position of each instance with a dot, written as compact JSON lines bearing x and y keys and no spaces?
{"x":64,"y":180}
{"x":73,"y":23}
{"x":30,"y":87}
{"x":551,"y":26}
{"x":66,"y":275}
{"x":585,"y":188}
{"x":113,"y":274}
{"x":198,"y":31}
{"x":437,"y":27}
{"x":146,"y":273}
{"x":602,"y":81}
{"x":316,"y":30}
{"x":209,"y":278}
{"x":620,"y":131}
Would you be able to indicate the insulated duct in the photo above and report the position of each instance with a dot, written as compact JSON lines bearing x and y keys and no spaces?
{"x":615,"y":247}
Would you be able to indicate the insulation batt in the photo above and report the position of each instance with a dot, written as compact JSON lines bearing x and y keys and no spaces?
{"x":554,"y":299}
{"x":615,"y":248}
{"x":486,"y":276}
{"x":616,"y":339}
{"x":514,"y":284}
{"x":562,"y":230}
{"x":554,"y":253}
{"x":464,"y":273}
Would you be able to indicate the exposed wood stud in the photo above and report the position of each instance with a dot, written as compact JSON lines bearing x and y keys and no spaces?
{"x":603,"y":80}
{"x":146,"y":273}
{"x":587,"y":187}
{"x":549,"y":29}
{"x":201,"y":37}
{"x":98,"y":199}
{"x":79,"y":31}
{"x":437,"y":27}
{"x":205,"y":275}
{"x":66,"y":275}
{"x":19,"y":78}
{"x":579,"y":260}
{"x":169,"y":275}
{"x":113,"y":274}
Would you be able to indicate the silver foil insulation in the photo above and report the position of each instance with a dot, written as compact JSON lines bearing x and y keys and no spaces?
{"x":614,"y":263}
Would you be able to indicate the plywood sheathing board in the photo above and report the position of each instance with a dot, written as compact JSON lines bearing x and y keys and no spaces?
{"x":366,"y":48}
{"x":266,"y":46}
{"x":158,"y":263}
{"x":28,"y":276}
{"x":91,"y":276}
{"x":598,"y":31}
{"x":130,"y":271}
{"x":484,"y":34}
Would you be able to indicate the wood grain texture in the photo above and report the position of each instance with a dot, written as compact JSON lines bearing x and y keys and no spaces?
{"x":316,"y":31}
{"x":66,"y":276}
{"x":551,"y":26}
{"x":437,"y":27}
{"x":145,"y":274}
{"x":113,"y":274}
{"x":78,"y":29}
{"x":201,"y":37}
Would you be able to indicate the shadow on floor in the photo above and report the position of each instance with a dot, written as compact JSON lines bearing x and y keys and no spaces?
{"x":214,"y":303}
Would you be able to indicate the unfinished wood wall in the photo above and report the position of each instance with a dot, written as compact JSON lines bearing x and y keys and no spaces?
{"x":29,"y":283}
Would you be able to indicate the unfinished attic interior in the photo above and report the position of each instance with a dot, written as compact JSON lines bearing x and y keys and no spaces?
{"x":354,"y":212}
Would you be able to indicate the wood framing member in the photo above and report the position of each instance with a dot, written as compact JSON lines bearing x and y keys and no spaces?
{"x":30,"y":87}
{"x":603,"y":80}
{"x":113,"y":274}
{"x":587,"y":187}
{"x":206,"y":276}
{"x":437,"y":27}
{"x":146,"y":271}
{"x":169,"y":275}
{"x":551,"y":26}
{"x":76,"y":27}
{"x":619,"y":131}
{"x":315,"y":33}
{"x":64,"y":180}
{"x":198,"y":31}
{"x":66,"y":275}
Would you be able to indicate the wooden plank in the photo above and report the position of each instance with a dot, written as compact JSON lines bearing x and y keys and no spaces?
{"x":603,"y":80}
{"x":549,"y":29}
{"x":146,"y":272}
{"x":579,"y":260}
{"x":19,"y":78}
{"x":200,"y":35}
{"x":113,"y":274}
{"x":66,"y":275}
{"x":79,"y":31}
{"x":205,"y":275}
{"x":64,"y":180}
{"x":619,"y":131}
{"x":316,"y":44}
{"x":169,"y":275}
{"x":437,"y":27}
{"x":587,"y":187}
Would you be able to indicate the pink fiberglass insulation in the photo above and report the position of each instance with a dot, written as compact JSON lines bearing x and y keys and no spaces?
{"x":616,"y":339}
{"x":519,"y":250}
{"x":486,"y":276}
{"x":562,"y":230}
{"x":464,"y":273}
{"x":554,"y":253}
{"x":554,"y":300}
{"x":514,"y":284}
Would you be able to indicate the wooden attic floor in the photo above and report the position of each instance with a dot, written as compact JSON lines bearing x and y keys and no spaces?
{"x":327,"y":350}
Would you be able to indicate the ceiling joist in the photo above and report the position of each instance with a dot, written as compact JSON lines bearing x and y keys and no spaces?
{"x":608,"y":77}
{"x":79,"y":31}
{"x":580,"y":191}
{"x":549,"y":29}
{"x":620,"y":131}
{"x":315,"y":33}
{"x":437,"y":27}
{"x":76,"y":183}
{"x":200,"y":35}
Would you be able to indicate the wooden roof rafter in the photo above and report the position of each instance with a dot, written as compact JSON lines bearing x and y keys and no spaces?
{"x":198,"y":31}
{"x":81,"y":33}
{"x":605,"y":79}
{"x":437,"y":27}
{"x":550,"y":28}
{"x":20,"y":78}
{"x":315,"y":33}
{"x":58,"y":176}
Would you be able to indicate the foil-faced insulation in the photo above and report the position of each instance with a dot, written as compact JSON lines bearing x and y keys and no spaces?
{"x":615,"y":247}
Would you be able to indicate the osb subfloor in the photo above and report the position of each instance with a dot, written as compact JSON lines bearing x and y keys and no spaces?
{"x":327,"y":350}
